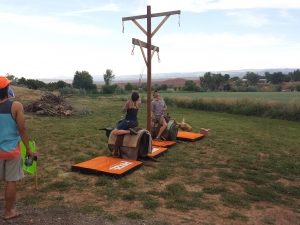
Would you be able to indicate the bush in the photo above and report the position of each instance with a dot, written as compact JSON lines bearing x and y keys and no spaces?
{"x":71,"y":91}
{"x":35,"y":84}
{"x":83,"y":80}
{"x":109,"y":89}
{"x":277,"y":88}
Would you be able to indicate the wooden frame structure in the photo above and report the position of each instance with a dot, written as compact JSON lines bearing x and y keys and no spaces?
{"x":149,"y":47}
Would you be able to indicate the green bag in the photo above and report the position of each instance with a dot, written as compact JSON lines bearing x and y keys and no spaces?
{"x":28,"y":169}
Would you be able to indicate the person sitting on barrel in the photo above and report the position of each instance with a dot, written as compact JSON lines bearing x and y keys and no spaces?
{"x":158,"y":110}
{"x":131,"y":108}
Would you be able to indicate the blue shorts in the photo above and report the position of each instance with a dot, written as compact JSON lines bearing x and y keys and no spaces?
{"x":126,"y":124}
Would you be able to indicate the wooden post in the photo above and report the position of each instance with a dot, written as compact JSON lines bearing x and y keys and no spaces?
{"x":149,"y":47}
{"x":149,"y":68}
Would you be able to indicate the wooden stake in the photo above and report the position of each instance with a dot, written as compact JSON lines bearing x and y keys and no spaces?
{"x":36,"y":179}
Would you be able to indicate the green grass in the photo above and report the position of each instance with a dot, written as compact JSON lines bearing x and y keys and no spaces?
{"x":134,"y":215}
{"x":244,"y":161}
{"x":215,"y":189}
{"x":273,"y":96}
{"x":235,"y":200}
{"x":91,"y":209}
{"x":241,"y":106}
{"x":179,"y":198}
{"x":237,"y":216}
{"x":150,"y":203}
{"x":262,"y":193}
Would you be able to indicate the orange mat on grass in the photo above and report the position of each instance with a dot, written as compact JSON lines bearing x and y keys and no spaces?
{"x":157,"y":151}
{"x":189,"y":136}
{"x":163,"y":144}
{"x":107,"y":165}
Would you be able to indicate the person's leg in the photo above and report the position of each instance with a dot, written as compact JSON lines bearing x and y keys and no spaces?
{"x":10,"y":199}
{"x":122,"y":128}
{"x":13,"y":172}
{"x":120,"y":132}
{"x":125,"y":127}
{"x":162,"y":128}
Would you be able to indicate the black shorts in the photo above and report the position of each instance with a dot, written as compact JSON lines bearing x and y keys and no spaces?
{"x":126,"y":124}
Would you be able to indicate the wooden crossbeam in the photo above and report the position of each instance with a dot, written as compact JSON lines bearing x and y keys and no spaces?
{"x":139,"y":26}
{"x":152,"y":15}
{"x":144,"y":44}
{"x":159,"y":25}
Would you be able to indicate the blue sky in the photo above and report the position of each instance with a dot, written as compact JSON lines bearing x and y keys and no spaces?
{"x":53,"y":39}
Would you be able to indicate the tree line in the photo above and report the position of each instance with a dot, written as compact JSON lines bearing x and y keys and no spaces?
{"x":82,"y":80}
{"x":83,"y":83}
{"x":250,"y":81}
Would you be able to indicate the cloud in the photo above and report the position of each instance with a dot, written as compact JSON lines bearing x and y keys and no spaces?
{"x":204,"y":5}
{"x":224,"y":51}
{"x":248,"y":18}
{"x":52,"y":25}
{"x":111,"y":7}
{"x":189,"y":52}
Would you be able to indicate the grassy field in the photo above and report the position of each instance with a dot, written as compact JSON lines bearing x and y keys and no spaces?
{"x":247,"y":171}
{"x":271,"y":96}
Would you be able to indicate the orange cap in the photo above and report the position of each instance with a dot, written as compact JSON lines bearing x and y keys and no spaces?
{"x":3,"y":82}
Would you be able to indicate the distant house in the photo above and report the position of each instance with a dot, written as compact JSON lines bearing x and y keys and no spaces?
{"x":262,"y":81}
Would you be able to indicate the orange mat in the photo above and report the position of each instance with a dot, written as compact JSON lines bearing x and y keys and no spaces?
{"x":189,"y":136}
{"x":107,"y":165}
{"x":163,"y":144}
{"x":157,"y":151}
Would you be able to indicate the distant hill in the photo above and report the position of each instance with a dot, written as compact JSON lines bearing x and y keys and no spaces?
{"x":175,"y":75}
{"x":196,"y":75}
{"x":176,"y":82}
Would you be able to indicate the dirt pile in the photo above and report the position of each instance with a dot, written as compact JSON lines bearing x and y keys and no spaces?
{"x":50,"y":105}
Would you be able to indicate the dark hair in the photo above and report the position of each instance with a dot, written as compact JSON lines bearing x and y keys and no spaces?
{"x":134,"y":96}
{"x":4,"y":93}
{"x":155,"y":93}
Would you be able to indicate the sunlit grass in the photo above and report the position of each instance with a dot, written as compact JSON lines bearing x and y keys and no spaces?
{"x":240,"y":163}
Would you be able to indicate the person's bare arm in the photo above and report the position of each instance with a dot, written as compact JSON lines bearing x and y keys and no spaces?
{"x":165,"y":106}
{"x":18,"y":114}
{"x":152,"y":108}
{"x":139,"y":103}
{"x":125,"y":107}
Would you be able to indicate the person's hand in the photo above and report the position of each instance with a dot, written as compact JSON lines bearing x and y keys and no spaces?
{"x":30,"y":153}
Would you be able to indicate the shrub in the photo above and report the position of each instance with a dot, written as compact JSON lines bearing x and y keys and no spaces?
{"x":109,"y":89}
{"x":277,"y":87}
{"x":72,"y":91}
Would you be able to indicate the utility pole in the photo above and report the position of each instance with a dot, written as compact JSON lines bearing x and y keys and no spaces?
{"x":149,"y":47}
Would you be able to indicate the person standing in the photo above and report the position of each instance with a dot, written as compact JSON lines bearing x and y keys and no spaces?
{"x":158,"y":110}
{"x":12,"y":130}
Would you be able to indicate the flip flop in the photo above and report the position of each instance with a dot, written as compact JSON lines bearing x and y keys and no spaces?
{"x":12,"y":217}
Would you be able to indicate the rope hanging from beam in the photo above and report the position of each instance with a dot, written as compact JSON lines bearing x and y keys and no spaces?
{"x":132,"y":51}
{"x":158,"y":59}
